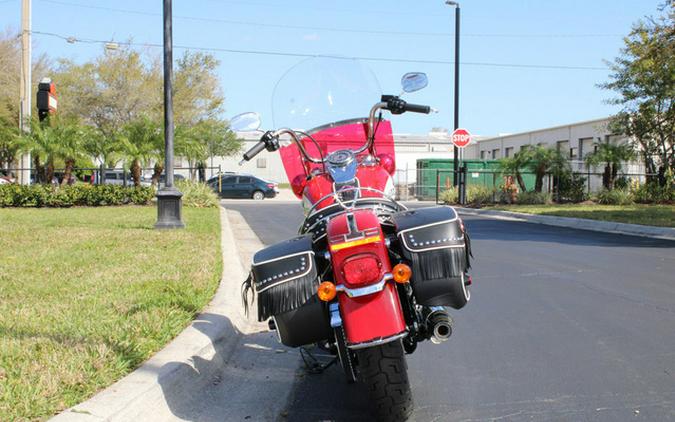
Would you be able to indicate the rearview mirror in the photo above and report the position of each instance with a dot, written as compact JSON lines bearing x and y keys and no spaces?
{"x":414,"y":81}
{"x":245,"y":122}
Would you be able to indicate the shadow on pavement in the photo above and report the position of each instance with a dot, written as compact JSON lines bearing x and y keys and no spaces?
{"x":241,"y":381}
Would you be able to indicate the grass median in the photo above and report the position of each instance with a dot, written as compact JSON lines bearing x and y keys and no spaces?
{"x":649,"y":215}
{"x":88,"y":294}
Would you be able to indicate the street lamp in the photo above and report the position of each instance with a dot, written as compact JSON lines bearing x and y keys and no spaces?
{"x":169,"y":202}
{"x":455,"y":164}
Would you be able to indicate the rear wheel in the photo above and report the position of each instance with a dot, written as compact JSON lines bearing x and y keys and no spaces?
{"x":384,"y":372}
{"x":258,"y":195}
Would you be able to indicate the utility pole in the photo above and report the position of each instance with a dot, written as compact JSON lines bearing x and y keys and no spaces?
{"x":25,"y":87}
{"x":169,"y":199}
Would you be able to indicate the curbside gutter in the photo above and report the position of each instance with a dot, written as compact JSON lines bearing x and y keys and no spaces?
{"x":205,"y":365}
{"x":666,"y":233}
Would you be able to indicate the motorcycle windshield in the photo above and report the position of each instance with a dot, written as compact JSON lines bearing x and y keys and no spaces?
{"x":330,"y":100}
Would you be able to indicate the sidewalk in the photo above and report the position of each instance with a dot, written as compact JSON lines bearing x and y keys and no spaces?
{"x":224,"y":366}
{"x":666,"y":233}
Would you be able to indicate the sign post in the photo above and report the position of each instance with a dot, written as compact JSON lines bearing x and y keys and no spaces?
{"x":460,"y":139}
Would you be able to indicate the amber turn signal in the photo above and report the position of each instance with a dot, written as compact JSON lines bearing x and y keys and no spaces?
{"x":402,"y":273}
{"x":327,"y":291}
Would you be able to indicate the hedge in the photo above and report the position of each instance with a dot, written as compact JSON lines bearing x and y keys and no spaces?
{"x":14,"y":195}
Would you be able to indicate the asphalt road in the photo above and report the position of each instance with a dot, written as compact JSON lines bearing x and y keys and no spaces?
{"x":563,"y":324}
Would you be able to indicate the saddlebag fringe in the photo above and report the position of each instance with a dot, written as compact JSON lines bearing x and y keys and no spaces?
{"x":246,"y":289}
{"x":287,"y":296}
{"x":440,"y":263}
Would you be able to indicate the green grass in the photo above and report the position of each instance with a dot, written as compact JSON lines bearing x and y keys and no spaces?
{"x":88,"y":294}
{"x":651,"y":215}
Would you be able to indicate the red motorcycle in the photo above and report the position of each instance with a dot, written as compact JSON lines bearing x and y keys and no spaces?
{"x":366,"y":278}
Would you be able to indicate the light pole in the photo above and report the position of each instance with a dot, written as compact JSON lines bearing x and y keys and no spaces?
{"x":25,"y":87}
{"x":455,"y":164}
{"x":169,"y":202}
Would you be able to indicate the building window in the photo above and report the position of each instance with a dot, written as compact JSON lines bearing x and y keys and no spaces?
{"x":508,"y":152}
{"x":495,"y":153}
{"x":261,"y":163}
{"x":574,"y":153}
{"x":561,"y":146}
{"x":482,"y":155}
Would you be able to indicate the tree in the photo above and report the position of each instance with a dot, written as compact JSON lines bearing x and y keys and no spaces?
{"x":542,"y":160}
{"x":118,"y":88}
{"x":9,"y":142}
{"x":644,"y":79}
{"x":10,"y":80}
{"x":197,"y":93}
{"x":205,"y":139}
{"x":142,"y":140}
{"x":512,"y":166}
{"x":10,"y":75}
{"x":55,"y":139}
{"x":612,"y":156}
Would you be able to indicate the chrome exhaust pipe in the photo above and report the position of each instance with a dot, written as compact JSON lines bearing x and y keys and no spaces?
{"x":439,"y":324}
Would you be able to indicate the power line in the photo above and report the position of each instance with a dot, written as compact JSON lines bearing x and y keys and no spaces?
{"x":321,"y":28}
{"x":333,"y":56}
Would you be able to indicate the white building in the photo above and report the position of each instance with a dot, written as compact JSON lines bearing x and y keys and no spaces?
{"x":575,"y":140}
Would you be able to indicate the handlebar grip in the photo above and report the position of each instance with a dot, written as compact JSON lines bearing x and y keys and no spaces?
{"x":417,"y":108}
{"x":255,"y":150}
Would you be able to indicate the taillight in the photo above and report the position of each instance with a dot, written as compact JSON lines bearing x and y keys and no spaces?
{"x":362,"y":270}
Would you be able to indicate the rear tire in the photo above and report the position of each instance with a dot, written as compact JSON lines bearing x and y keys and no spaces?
{"x":384,"y":372}
{"x":258,"y":195}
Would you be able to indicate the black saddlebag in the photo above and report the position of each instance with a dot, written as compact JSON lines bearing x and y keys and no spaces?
{"x":433,"y":241}
{"x":306,"y":325}
{"x":284,"y":276}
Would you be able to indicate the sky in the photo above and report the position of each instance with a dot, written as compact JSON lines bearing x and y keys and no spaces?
{"x":555,"y":49}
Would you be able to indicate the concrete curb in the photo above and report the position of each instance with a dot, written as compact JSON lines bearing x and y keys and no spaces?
{"x":213,"y":336}
{"x":666,"y":233}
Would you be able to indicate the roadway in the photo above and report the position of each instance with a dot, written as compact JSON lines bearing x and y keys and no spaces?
{"x":563,"y":324}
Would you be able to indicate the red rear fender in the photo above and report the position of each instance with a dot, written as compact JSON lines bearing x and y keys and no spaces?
{"x":373,"y":312}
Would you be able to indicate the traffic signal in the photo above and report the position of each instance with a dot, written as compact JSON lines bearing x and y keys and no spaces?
{"x":46,"y":98}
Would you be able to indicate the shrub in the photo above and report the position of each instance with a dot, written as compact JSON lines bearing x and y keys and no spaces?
{"x":572,"y":188}
{"x":478,"y":195}
{"x":534,"y":198}
{"x":652,"y":193}
{"x":449,"y":196}
{"x":614,"y":197}
{"x":13,"y":195}
{"x":197,"y":195}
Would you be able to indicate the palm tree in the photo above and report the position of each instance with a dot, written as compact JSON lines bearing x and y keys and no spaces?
{"x":545,"y":160}
{"x":54,"y":140}
{"x":142,"y":139}
{"x":512,"y":166}
{"x":612,"y":155}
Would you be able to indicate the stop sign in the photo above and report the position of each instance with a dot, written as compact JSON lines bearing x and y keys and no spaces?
{"x":461,"y":138}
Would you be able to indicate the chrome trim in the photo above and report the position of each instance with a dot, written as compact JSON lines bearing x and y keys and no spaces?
{"x":371,"y":127}
{"x":294,"y":137}
{"x":367,"y":290}
{"x":377,"y":342}
{"x":335,"y":319}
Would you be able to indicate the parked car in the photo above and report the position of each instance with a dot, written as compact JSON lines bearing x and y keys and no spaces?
{"x":243,"y":186}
